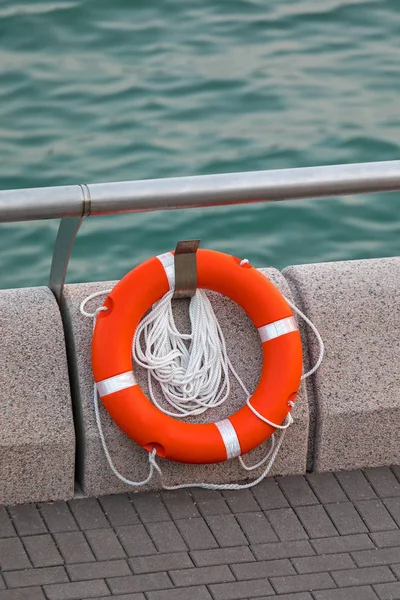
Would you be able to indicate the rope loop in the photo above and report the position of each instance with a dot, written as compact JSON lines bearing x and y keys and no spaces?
{"x":92,"y":315}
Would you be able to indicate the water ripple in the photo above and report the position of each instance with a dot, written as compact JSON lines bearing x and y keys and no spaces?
{"x":98,"y":91}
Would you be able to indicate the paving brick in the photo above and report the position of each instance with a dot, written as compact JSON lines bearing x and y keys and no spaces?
{"x":161,"y":562}
{"x":221,"y":556}
{"x":13,"y":555}
{"x":192,"y":593}
{"x":98,"y":570}
{"x":202,"y":576}
{"x":375,"y":515}
{"x":295,"y":596}
{"x":326,"y":487}
{"x":396,"y":471}
{"x":354,"y":593}
{"x":356,"y":485}
{"x":166,"y":537}
{"x":256,"y":527}
{"x":105,"y":544}
{"x":383,"y":539}
{"x":282,"y":550}
{"x":88,"y":513}
{"x":135,"y":540}
{"x":27,"y":519}
{"x":6,"y":526}
{"x":396,"y":568}
{"x":226,"y":530}
{"x":139,"y":583}
{"x":180,"y":504}
{"x":383,"y":481}
{"x":261,"y":569}
{"x":345,"y":518}
{"x":302,"y":583}
{"x":196,"y":534}
{"x":119,"y":510}
{"x":77,"y":590}
{"x":386,"y":591}
{"x":269,"y":495}
{"x":58,"y":517}
{"x":286,"y":524}
{"x":365,"y":576}
{"x":346,"y":543}
{"x":138,"y":596}
{"x":210,"y":502}
{"x":316,"y":521}
{"x":74,"y":547}
{"x":380,"y":556}
{"x":241,"y":589}
{"x":319,"y":564}
{"x":150,"y":507}
{"x":42,"y":551}
{"x":297,"y":490}
{"x":35,"y":593}
{"x":32,"y":577}
{"x":240,"y":501}
{"x":393,"y":506}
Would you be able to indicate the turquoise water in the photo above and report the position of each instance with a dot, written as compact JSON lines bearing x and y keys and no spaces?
{"x":92,"y":90}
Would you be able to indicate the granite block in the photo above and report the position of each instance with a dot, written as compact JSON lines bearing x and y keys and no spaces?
{"x":355,"y":395}
{"x":244,"y":349}
{"x":37,"y":435}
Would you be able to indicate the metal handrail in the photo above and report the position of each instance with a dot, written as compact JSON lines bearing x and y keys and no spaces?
{"x":198,"y":191}
{"x":73,"y":203}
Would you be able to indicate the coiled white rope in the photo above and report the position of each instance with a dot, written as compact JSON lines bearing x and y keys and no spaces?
{"x":193,"y":373}
{"x":191,"y":369}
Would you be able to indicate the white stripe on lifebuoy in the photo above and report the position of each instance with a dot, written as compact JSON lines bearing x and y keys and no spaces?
{"x":278,"y":328}
{"x":116,"y":383}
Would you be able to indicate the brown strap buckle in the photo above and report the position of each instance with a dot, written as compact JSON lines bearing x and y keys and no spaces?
{"x":185,"y":268}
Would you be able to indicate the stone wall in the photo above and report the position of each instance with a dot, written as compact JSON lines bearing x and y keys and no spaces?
{"x":346,"y":417}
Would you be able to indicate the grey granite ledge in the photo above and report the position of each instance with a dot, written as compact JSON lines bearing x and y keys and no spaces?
{"x":37,"y":437}
{"x":348,"y":418}
{"x":355,"y":395}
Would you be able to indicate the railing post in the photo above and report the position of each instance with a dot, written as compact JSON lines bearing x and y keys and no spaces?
{"x":64,"y":244}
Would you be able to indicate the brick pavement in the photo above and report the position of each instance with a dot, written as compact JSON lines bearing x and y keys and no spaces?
{"x":318,"y":537}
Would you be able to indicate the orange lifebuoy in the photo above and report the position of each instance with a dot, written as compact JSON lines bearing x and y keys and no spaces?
{"x":139,"y":418}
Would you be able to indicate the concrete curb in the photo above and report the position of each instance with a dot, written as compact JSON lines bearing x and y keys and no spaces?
{"x":355,"y":396}
{"x":37,"y":437}
{"x":348,"y":418}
